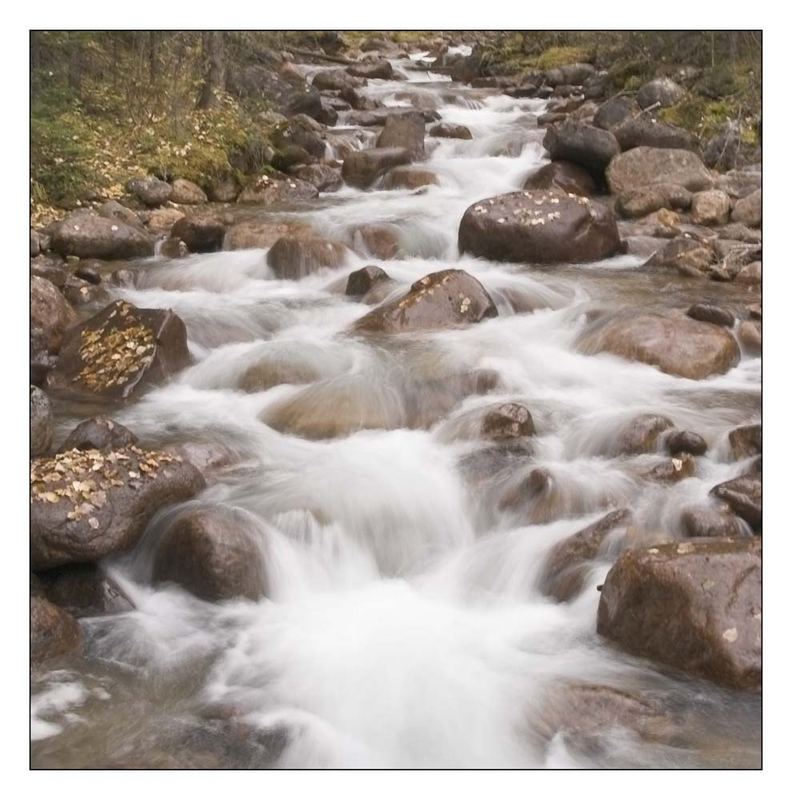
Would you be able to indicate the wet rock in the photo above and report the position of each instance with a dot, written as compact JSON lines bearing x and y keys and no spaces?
{"x":98,"y":433}
{"x":746,"y":441}
{"x":644,"y":131}
{"x":710,"y":207}
{"x":693,"y":606}
{"x":443,"y":299}
{"x":507,"y":421}
{"x":37,"y":242}
{"x":223,"y":189}
{"x":85,"y":590}
{"x":86,"y":505}
{"x":269,"y":191}
{"x":568,"y":563}
{"x":674,"y":344}
{"x":119,"y":352}
{"x":543,"y":226}
{"x":358,"y":100}
{"x":713,"y":314}
{"x":322,"y":176}
{"x":49,"y":313}
{"x":380,"y":241}
{"x":337,"y":80}
{"x":404,"y":131}
{"x":743,"y":495}
{"x":50,"y":268}
{"x":112,"y":209}
{"x":262,"y":233}
{"x":362,"y":281}
{"x":173,"y":248}
{"x":151,"y":191}
{"x":202,"y":233}
{"x":640,"y":435}
{"x":53,"y":632}
{"x":213,"y":552}
{"x":409,"y":178}
{"x":448,"y":130}
{"x":41,"y":360}
{"x":87,"y":235}
{"x":707,"y":522}
{"x":614,"y":111}
{"x":678,"y":442}
{"x":748,"y":210}
{"x":592,"y":148}
{"x":646,"y":199}
{"x":750,"y":274}
{"x":90,"y":271}
{"x":300,"y":131}
{"x":659,"y":92}
{"x":362,"y":167}
{"x":187,"y":193}
{"x":562,"y":175}
{"x":41,"y":430}
{"x":673,"y":470}
{"x":160,"y":221}
{"x":79,"y":292}
{"x":687,"y":255}
{"x":644,"y":166}
{"x":749,"y":332}
{"x":294,"y":257}
{"x":373,"y":69}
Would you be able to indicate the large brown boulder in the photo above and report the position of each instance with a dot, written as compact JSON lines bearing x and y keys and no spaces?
{"x":639,"y":435}
{"x":277,"y":190}
{"x":87,"y":235}
{"x":696,"y":606}
{"x":300,"y":131}
{"x":448,"y":130}
{"x":746,"y":441}
{"x":50,"y":313}
{"x":213,"y":552}
{"x":643,"y":131}
{"x":748,"y":210}
{"x":644,"y":166}
{"x":89,"y":504}
{"x":569,"y":562}
{"x":362,"y":167}
{"x":590,"y":147}
{"x":151,"y":191}
{"x":119,"y":352}
{"x":294,"y":257}
{"x":324,"y":177}
{"x":202,"y":233}
{"x":337,"y":80}
{"x":614,"y":111}
{"x":673,"y":343}
{"x":659,"y":92}
{"x":710,"y":207}
{"x":187,"y":193}
{"x":507,"y":421}
{"x":441,"y":300}
{"x":647,"y":199}
{"x":41,"y":430}
{"x":53,"y":631}
{"x":372,"y":69}
{"x":690,"y":256}
{"x":409,"y":178}
{"x":543,"y":227}
{"x":262,"y":233}
{"x":98,"y":433}
{"x":405,"y":130}
{"x":84,"y":590}
{"x":744,"y":496}
{"x":562,"y":175}
{"x":380,"y":241}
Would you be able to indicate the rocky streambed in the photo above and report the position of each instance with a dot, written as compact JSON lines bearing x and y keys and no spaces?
{"x":437,"y":446}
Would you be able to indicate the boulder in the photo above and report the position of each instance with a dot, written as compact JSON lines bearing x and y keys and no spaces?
{"x":372,"y":69}
{"x":707,"y":522}
{"x":659,"y":92}
{"x":746,"y":441}
{"x":213,"y":552}
{"x":98,"y":433}
{"x":294,"y":257}
{"x":41,"y":360}
{"x":404,"y":131}
{"x":590,"y":147}
{"x":710,"y":207}
{"x":749,"y":332}
{"x":112,"y":209}
{"x":202,"y":233}
{"x":278,"y":189}
{"x":443,"y":299}
{"x":408,"y":178}
{"x":358,"y":100}
{"x":541,"y":226}
{"x":50,"y":268}
{"x":639,"y":435}
{"x":748,"y":210}
{"x":89,"y":504}
{"x":324,"y":177}
{"x":743,"y":495}
{"x":568,"y":563}
{"x":750,"y":274}
{"x":53,"y":631}
{"x":336,"y":80}
{"x":644,"y":166}
{"x":84,"y":590}
{"x":562,"y":175}
{"x":695,"y":606}
{"x":173,"y":248}
{"x":151,"y":191}
{"x":675,"y":469}
{"x":119,"y":352}
{"x":49,"y":313}
{"x":223,"y":189}
{"x":300,"y":131}
{"x":262,"y":233}
{"x":187,"y":193}
{"x":41,"y":427}
{"x":739,"y":183}
{"x":507,"y":421}
{"x":159,"y":221}
{"x":448,"y":130}
{"x":678,"y":442}
{"x":380,"y":241}
{"x":614,"y":111}
{"x":687,"y":255}
{"x":644,"y":131}
{"x":362,"y":167}
{"x":87,"y":235}
{"x":673,"y":343}
{"x":362,"y":281}
{"x":647,"y":199}
{"x":716,"y":315}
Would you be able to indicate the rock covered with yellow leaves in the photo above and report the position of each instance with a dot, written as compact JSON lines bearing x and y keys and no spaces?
{"x":88,"y":504}
{"x":119,"y":352}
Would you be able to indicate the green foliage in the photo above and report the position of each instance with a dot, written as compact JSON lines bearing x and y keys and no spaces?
{"x":558,"y":56}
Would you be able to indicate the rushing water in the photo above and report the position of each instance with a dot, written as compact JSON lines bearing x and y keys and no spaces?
{"x":404,"y":626}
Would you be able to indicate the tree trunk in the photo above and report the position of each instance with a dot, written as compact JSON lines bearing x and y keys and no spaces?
{"x":214,"y":82}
